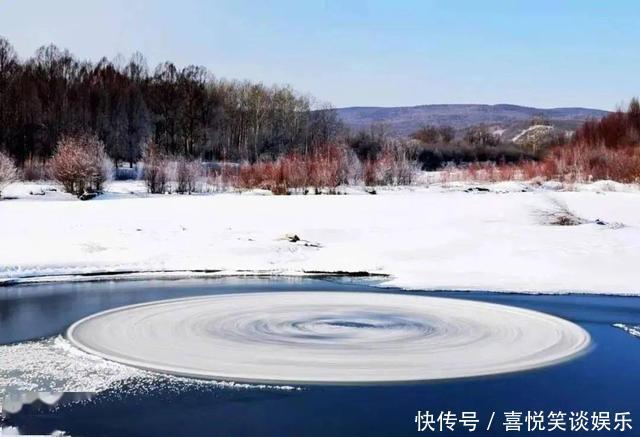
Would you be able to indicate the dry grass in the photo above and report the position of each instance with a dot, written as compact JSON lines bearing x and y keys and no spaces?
{"x":559,"y":214}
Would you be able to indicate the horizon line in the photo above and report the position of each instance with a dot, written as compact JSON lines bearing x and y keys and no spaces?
{"x":470,"y":104}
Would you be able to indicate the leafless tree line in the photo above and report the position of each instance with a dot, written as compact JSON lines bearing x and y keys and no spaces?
{"x":186,"y":112}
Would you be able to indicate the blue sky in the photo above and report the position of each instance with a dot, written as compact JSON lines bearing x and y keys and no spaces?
{"x":380,"y":53}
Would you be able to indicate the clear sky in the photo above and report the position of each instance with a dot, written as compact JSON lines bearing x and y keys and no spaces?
{"x":381,"y":53}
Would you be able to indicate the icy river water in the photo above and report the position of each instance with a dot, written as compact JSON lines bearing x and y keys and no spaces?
{"x":605,"y":378}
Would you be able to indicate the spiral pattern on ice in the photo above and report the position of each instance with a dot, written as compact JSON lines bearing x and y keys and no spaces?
{"x":327,"y":337}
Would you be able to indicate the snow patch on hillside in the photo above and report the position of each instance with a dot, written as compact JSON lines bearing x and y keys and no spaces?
{"x":536,"y":129}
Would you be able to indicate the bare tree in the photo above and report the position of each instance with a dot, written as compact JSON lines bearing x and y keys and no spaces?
{"x":447,"y":133}
{"x":481,"y":136}
{"x":155,"y":169}
{"x":427,"y":134}
{"x":634,"y":116}
{"x":187,"y":175}
{"x":8,"y":64}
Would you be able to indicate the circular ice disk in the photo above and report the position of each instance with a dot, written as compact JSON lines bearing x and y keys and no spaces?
{"x":327,"y":337}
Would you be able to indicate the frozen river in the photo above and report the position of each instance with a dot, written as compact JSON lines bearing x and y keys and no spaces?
{"x":133,"y":402}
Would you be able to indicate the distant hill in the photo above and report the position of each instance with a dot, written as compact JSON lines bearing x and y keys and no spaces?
{"x":404,"y":120}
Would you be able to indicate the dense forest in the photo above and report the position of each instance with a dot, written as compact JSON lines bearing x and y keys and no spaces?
{"x":184,"y":111}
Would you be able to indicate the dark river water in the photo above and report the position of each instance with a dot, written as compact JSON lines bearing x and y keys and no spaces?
{"x":606,"y":379}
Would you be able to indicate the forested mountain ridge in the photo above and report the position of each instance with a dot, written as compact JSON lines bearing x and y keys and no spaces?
{"x":404,"y":120}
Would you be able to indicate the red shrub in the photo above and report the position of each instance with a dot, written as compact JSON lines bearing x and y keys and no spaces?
{"x":294,"y":171}
{"x":618,"y":129}
{"x":600,"y":149}
{"x":325,"y":167}
{"x":583,"y":163}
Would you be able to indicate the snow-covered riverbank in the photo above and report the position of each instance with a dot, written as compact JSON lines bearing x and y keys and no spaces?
{"x":424,"y":238}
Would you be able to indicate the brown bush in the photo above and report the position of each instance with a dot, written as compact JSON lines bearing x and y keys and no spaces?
{"x":155,"y":170}
{"x":8,"y":171}
{"x":187,"y":175}
{"x":391,"y":168}
{"x":324,"y":168}
{"x":80,"y":164}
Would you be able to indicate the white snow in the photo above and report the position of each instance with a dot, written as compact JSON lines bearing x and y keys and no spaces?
{"x":536,"y":127}
{"x":424,"y":238}
{"x":53,"y":364}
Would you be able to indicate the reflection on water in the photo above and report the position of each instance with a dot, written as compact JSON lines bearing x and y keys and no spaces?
{"x":606,"y":379}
